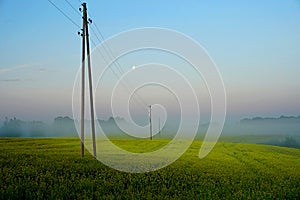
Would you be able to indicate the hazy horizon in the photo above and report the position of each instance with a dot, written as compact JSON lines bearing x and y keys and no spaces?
{"x":254,"y":45}
{"x":203,"y":122}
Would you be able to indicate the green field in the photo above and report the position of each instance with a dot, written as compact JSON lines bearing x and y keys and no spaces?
{"x":53,"y":169}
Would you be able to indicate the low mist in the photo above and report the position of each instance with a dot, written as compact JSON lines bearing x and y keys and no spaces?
{"x":281,"y":131}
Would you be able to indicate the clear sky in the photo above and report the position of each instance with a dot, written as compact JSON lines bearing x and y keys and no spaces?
{"x":255,"y":44}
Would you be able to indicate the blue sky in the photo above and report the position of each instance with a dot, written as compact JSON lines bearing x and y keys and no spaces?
{"x":254,"y":43}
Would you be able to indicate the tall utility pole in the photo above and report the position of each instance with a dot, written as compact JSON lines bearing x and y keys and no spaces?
{"x":150,"y":122}
{"x":85,"y":39}
{"x":82,"y":89}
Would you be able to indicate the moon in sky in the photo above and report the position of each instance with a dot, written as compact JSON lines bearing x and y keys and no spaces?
{"x":133,"y":67}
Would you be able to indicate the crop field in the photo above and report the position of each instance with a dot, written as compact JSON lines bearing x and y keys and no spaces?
{"x":53,"y":169}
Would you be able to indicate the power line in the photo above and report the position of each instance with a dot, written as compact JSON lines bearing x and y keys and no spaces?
{"x":141,"y":102}
{"x":118,"y":68}
{"x":64,"y":14}
{"x":106,"y":62}
{"x":110,"y":54}
{"x":73,"y":8}
{"x":106,"y":48}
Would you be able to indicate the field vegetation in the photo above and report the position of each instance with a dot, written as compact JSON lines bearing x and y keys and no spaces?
{"x":52,"y":169}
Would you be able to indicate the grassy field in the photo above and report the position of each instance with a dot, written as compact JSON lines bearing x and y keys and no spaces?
{"x":53,"y":169}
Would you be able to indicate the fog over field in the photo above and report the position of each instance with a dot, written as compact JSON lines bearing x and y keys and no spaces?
{"x":282,"y":131}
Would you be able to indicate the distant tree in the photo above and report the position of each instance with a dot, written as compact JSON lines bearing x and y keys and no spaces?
{"x":11,"y":127}
{"x":111,"y":120}
{"x":290,"y":142}
{"x":36,"y":129}
{"x":63,"y":126}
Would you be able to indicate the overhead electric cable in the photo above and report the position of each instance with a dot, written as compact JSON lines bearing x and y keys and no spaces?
{"x":64,"y":14}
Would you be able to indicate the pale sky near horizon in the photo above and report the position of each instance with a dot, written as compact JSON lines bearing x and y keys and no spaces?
{"x":255,"y":44}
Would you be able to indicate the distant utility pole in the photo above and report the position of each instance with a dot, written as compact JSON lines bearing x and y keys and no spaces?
{"x":159,"y":126}
{"x":85,"y":41}
{"x":150,"y":122}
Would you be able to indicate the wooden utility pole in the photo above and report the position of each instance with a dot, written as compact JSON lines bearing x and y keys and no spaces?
{"x":86,"y":40}
{"x":150,"y":122}
{"x":82,"y":89}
